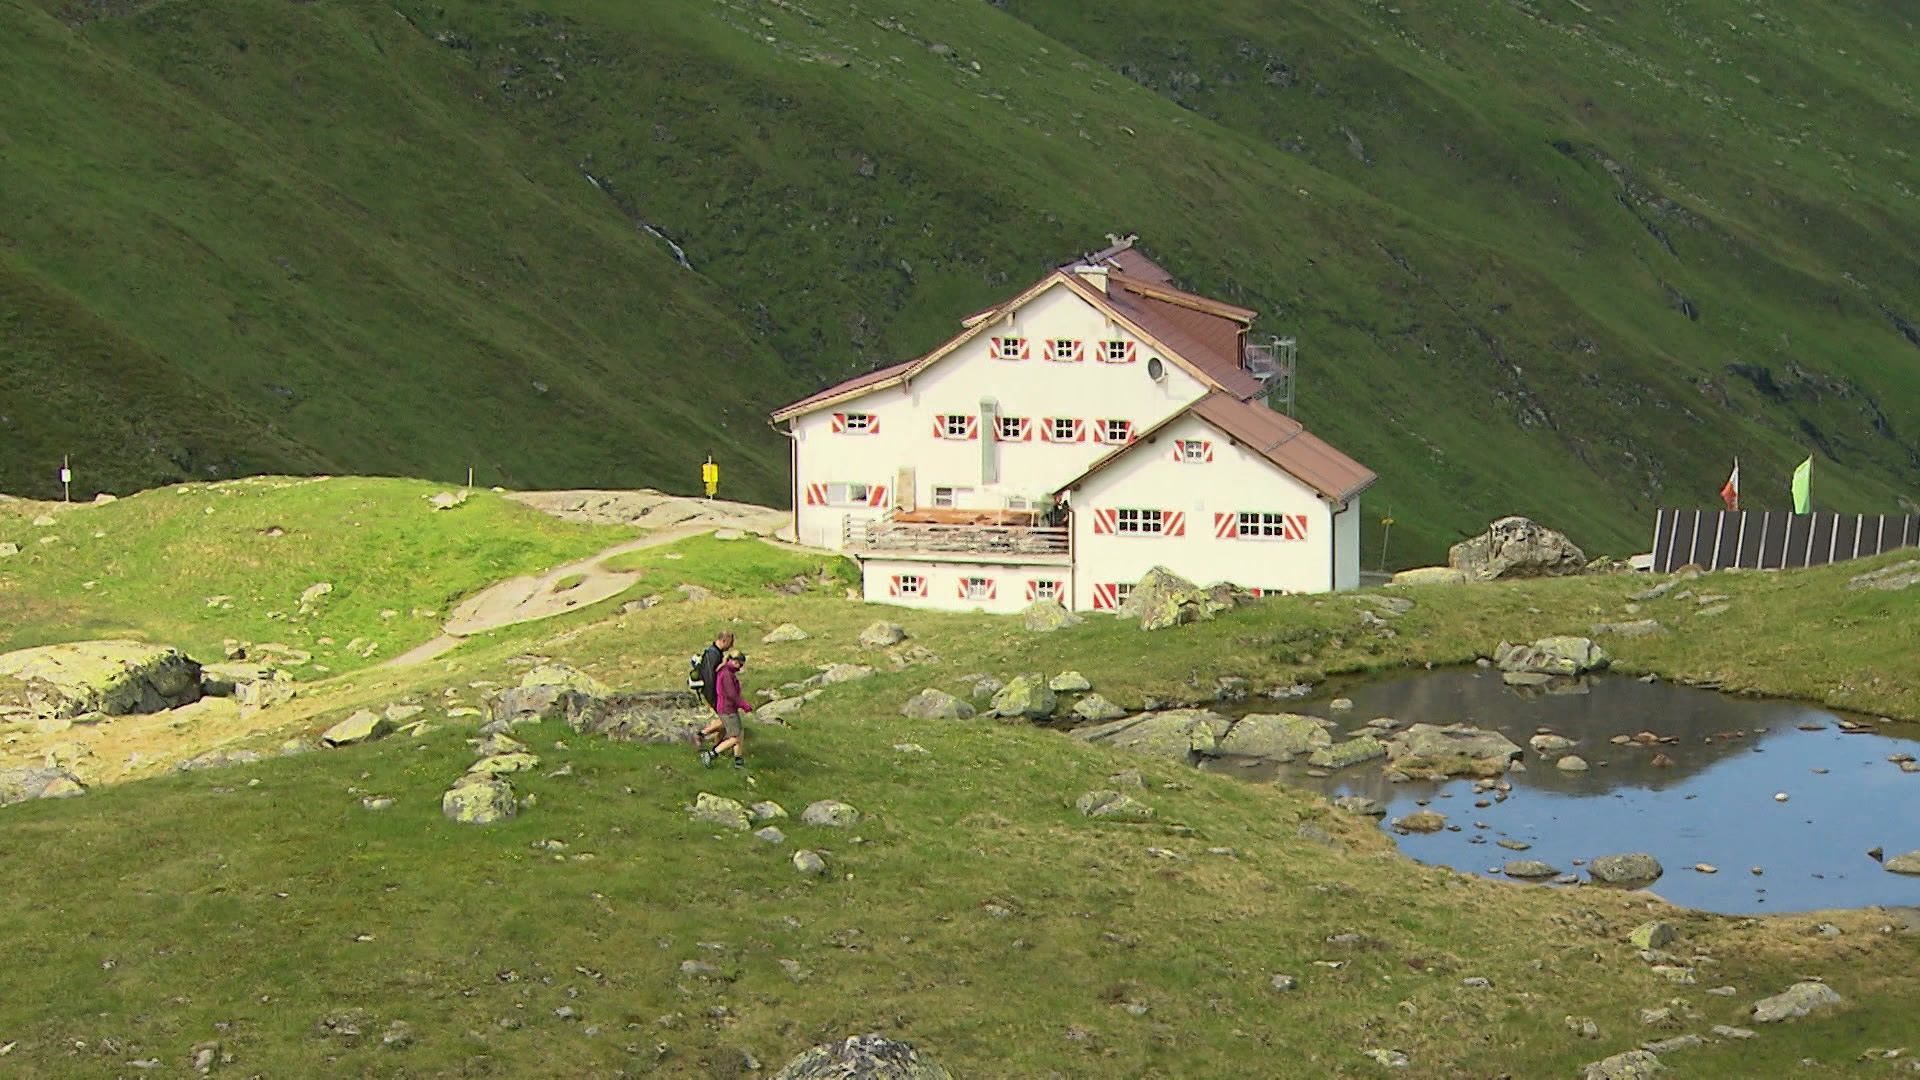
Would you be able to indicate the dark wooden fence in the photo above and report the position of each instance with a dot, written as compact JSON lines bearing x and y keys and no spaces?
{"x":1773,"y":539}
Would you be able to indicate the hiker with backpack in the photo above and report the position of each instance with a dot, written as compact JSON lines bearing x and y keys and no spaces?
{"x":731,"y":706}
{"x":700,"y":678}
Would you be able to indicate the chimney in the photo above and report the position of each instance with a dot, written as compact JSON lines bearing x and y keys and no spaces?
{"x":1094,"y":275}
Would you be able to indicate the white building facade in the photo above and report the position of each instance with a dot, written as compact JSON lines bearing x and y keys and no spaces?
{"x":1027,"y":458}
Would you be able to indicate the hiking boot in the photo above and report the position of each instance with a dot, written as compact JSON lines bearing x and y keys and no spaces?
{"x":706,"y":758}
{"x":740,"y":763}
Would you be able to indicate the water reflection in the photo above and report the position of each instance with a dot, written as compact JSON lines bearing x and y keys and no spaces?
{"x":1703,"y":794}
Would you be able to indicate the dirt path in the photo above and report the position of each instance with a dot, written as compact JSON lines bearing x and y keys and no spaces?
{"x":532,"y":597}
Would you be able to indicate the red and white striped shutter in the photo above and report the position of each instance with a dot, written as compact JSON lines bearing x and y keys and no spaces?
{"x":1130,"y":353}
{"x":1179,"y":450}
{"x":1106,"y":597}
{"x":993,"y":588}
{"x":1026,"y":348}
{"x":994,"y":344}
{"x":816,"y":494}
{"x":1033,"y":590}
{"x":1207,"y":451}
{"x":839,"y":423}
{"x":1105,"y":522}
{"x":1173,"y":522}
{"x":1256,"y":591}
{"x":1026,"y":429}
{"x":939,"y":426}
{"x":1079,"y":431}
{"x":1293,"y":527}
{"x":973,"y":427}
{"x":877,"y":495}
{"x":1079,"y":352}
{"x":1226,"y":526}
{"x":873,"y":424}
{"x":893,"y":585}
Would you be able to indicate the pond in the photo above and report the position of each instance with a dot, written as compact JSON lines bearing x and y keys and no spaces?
{"x":1703,"y":795}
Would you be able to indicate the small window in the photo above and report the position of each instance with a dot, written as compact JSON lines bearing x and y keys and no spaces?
{"x":1262,"y":526}
{"x":1012,"y":348}
{"x":910,"y":584}
{"x":1064,"y":349}
{"x":1117,"y":352}
{"x":848,"y":494}
{"x":1013,"y":428}
{"x":1122,"y":593}
{"x":978,"y":588}
{"x":947,"y":498}
{"x":956,"y":426}
{"x":1193,"y":451}
{"x":1064,"y":429}
{"x":1046,"y":590}
{"x":1140,"y":522}
{"x":858,"y":423}
{"x":1117,"y":431}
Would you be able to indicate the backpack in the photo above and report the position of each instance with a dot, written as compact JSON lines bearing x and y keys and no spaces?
{"x":694,"y":681}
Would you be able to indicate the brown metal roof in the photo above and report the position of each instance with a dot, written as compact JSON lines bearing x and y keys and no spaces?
{"x":1282,"y":440}
{"x":1210,"y":342}
{"x":851,"y":386}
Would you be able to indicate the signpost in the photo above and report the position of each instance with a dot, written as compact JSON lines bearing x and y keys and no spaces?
{"x":66,"y":479}
{"x":710,"y":476}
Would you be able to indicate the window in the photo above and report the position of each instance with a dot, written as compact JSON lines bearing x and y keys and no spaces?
{"x":1015,"y":428}
{"x":1122,"y":593}
{"x":955,"y":426}
{"x":1118,"y":432}
{"x":1063,"y":429}
{"x":1140,"y":522}
{"x":1045,"y":590}
{"x":1065,"y":350}
{"x":1010,"y":348}
{"x":1262,"y":526}
{"x":947,"y":498}
{"x":908,"y":585}
{"x":1195,"y":451}
{"x":1117,"y":352}
{"x":859,"y":423}
{"x":848,"y":494}
{"x":976,"y":588}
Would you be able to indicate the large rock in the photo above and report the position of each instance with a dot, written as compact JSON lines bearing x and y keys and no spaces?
{"x":1629,"y":871}
{"x":1794,"y":1002}
{"x":718,"y":810}
{"x":657,"y":717}
{"x":931,"y":704}
{"x":23,"y":785}
{"x":1163,"y":599}
{"x":862,"y":1057}
{"x":1904,"y":864}
{"x":830,"y":813}
{"x":1116,"y":805}
{"x":479,"y":800}
{"x":363,"y":726}
{"x":783,"y":633}
{"x":566,"y":676}
{"x":883,"y":634}
{"x":843,"y":673}
{"x":1516,"y":547}
{"x":1176,"y":733}
{"x":1046,"y":616}
{"x":543,"y":694}
{"x":1430,"y":751}
{"x":1279,"y":736}
{"x":1351,"y":752}
{"x":1629,"y":1065}
{"x":1552,"y":656}
{"x":111,"y":677}
{"x":1429,"y":575}
{"x":1097,"y":708}
{"x":1025,"y":696}
{"x":1069,"y":682}
{"x":503,"y":764}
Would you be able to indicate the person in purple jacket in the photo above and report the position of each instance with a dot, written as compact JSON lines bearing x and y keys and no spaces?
{"x":731,"y":705}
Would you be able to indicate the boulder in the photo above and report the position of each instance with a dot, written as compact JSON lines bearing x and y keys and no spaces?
{"x":862,"y":1057}
{"x":363,"y":726}
{"x":1651,"y":935}
{"x":655,"y":717}
{"x":883,"y":634}
{"x":830,"y":813}
{"x":843,"y":673}
{"x":1430,"y":575}
{"x":777,"y":710}
{"x":1069,"y":682}
{"x":112,"y":677}
{"x":1547,"y":744}
{"x":227,"y":679}
{"x":1629,"y":871}
{"x":783,"y":633}
{"x":1516,"y":547}
{"x":1025,"y":696}
{"x":810,"y":863}
{"x":503,"y":764}
{"x":24,"y":785}
{"x":1174,"y":734}
{"x":1794,"y":1002}
{"x":1629,"y":1065}
{"x":1359,"y":804}
{"x":1113,"y":804}
{"x":1279,"y":736}
{"x":565,"y":676}
{"x":1421,"y":821}
{"x":1351,"y":752}
{"x":717,"y":810}
{"x":1428,"y":751}
{"x":479,"y":800}
{"x":1529,"y":869}
{"x":1163,"y":599}
{"x":1572,"y":763}
{"x":1904,"y":864}
{"x":1096,"y":708}
{"x":931,"y":704}
{"x":1552,"y":656}
{"x":9,"y":550}
{"x":767,"y":810}
{"x":1046,"y":616}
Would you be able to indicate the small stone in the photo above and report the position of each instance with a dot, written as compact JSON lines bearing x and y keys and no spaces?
{"x":1780,"y":796}
{"x":398,"y":1036}
{"x":783,"y":633}
{"x":1678,"y":1042}
{"x":1572,"y":763}
{"x":1283,"y":983}
{"x":771,"y":835}
{"x":1529,"y":869}
{"x":1476,"y":982}
{"x":1392,"y":1059}
{"x":1340,"y":704}
{"x":1705,"y":868}
{"x":810,"y":863}
{"x":1722,"y":991}
{"x":1726,"y":1031}
{"x":1583,"y":1026}
{"x":377,"y":802}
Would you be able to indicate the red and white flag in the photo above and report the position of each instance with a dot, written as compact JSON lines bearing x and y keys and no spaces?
{"x":1730,"y":494}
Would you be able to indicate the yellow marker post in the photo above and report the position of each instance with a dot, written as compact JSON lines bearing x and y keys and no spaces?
{"x":710,"y":477}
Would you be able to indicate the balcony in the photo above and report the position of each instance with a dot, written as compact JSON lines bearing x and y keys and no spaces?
{"x":1269,"y":360}
{"x":999,"y":537}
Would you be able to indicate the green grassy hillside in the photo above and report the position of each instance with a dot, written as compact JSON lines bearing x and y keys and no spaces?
{"x":1556,"y":260}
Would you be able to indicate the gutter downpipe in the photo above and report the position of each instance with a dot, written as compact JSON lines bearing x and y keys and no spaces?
{"x":1333,"y":546}
{"x":793,"y":471}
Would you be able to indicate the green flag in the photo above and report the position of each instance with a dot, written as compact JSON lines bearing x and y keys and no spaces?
{"x":1803,"y":487}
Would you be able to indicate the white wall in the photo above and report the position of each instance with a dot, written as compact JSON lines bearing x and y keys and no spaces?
{"x":941,"y":583}
{"x":1036,"y":388}
{"x":1346,"y":558}
{"x":1236,"y":480}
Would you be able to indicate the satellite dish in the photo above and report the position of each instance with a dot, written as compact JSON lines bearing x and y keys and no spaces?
{"x":1156,"y":369}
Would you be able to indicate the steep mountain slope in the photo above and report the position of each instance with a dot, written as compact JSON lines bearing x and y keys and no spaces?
{"x":1563,"y":262}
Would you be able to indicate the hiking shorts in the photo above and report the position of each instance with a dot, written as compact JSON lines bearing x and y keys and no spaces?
{"x":732,"y":721}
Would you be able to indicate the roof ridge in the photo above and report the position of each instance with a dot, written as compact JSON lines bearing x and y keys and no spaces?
{"x":1183,"y":298}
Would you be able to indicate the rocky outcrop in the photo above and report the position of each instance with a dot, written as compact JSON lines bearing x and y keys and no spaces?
{"x":931,"y":704}
{"x":1351,"y":752}
{"x":1900,"y":575}
{"x":1428,"y":751}
{"x":862,"y":1057}
{"x":1276,"y":736}
{"x":1163,"y":599}
{"x":1516,"y":547}
{"x":1025,"y":696}
{"x":1173,"y":734}
{"x":1552,"y":656}
{"x":25,"y":785}
{"x":1046,"y":616}
{"x":656,"y":717}
{"x":111,"y":677}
